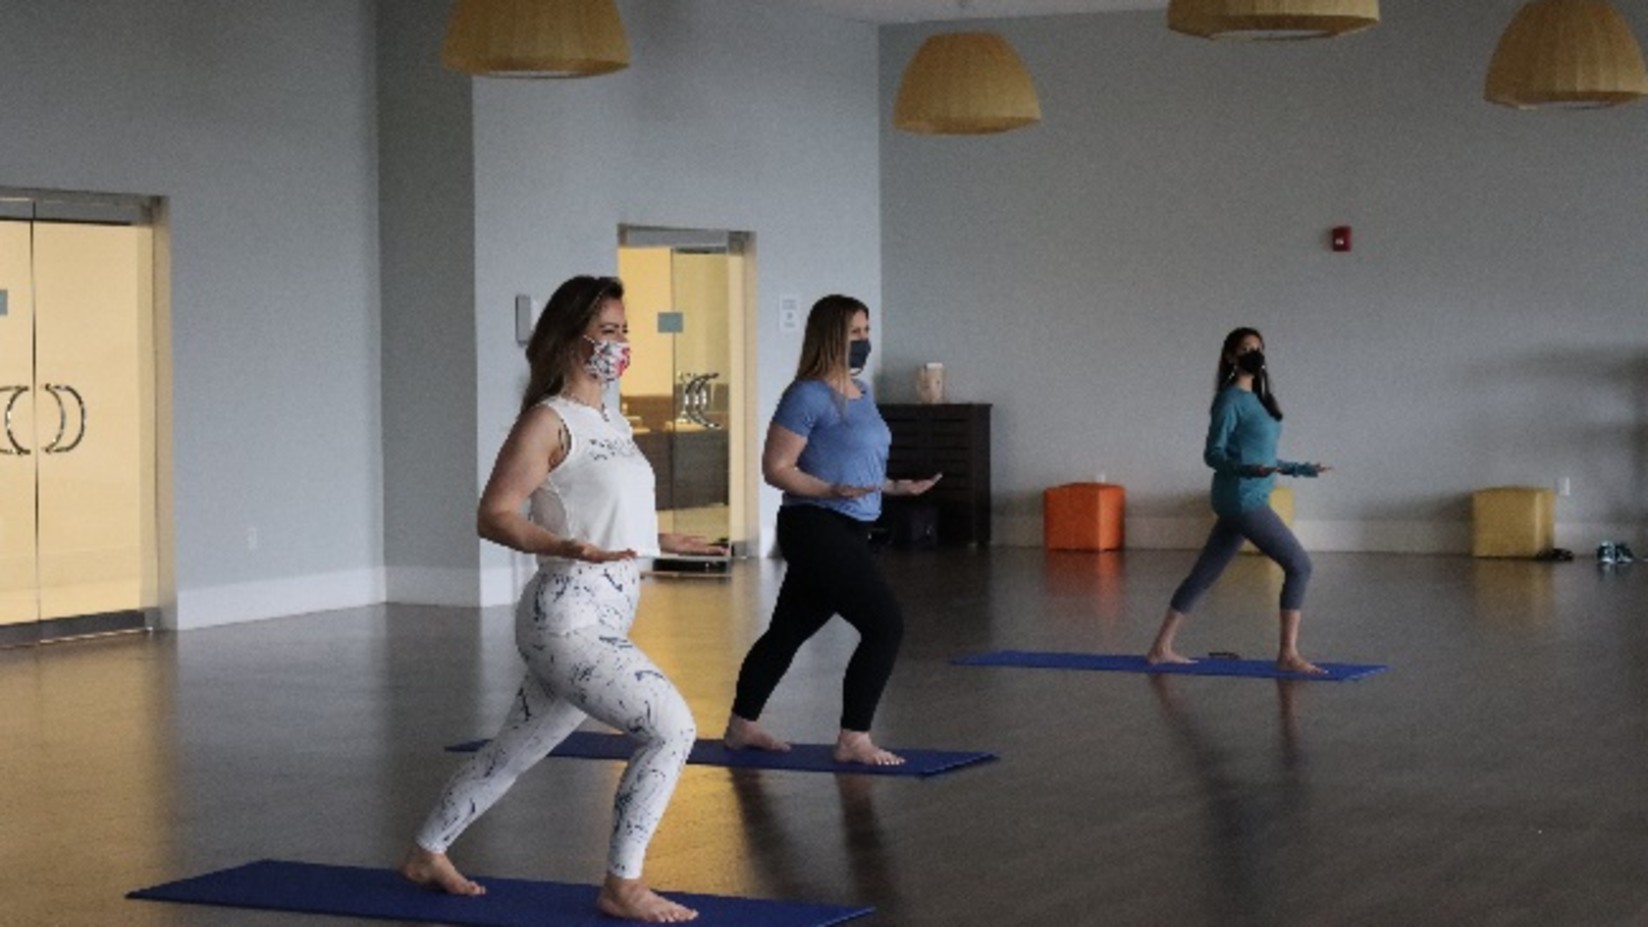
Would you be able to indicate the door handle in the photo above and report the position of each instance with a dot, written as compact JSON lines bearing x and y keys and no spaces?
{"x":16,"y":449}
{"x":55,"y":447}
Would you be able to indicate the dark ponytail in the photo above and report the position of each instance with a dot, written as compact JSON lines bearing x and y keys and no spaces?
{"x":1261,"y":380}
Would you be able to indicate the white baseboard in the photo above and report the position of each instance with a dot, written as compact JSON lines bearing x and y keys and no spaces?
{"x":498,"y":586}
{"x":1582,"y":538}
{"x":1390,"y":537}
{"x":502,"y":585}
{"x":1399,"y":537}
{"x":433,"y":586}
{"x":239,"y":602}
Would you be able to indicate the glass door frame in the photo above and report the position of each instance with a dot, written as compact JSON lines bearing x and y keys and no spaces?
{"x":741,"y":415}
{"x":74,"y":207}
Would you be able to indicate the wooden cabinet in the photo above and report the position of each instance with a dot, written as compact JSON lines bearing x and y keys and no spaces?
{"x":953,"y":439}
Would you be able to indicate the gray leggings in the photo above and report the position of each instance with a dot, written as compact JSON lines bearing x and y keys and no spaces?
{"x":1268,"y":533}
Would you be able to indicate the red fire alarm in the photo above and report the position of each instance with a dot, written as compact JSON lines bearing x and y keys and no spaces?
{"x":1341,"y":238}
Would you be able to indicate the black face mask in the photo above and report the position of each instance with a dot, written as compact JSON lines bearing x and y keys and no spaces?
{"x":858,"y":354}
{"x":1252,"y":362}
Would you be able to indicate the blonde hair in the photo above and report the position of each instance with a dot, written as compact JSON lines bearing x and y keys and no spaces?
{"x":824,"y":346}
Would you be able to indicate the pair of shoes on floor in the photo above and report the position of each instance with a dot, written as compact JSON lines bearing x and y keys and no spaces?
{"x":1610,"y":553}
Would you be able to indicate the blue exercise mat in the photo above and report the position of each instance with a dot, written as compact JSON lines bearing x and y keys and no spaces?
{"x":1132,"y":663}
{"x":349,"y":891}
{"x":594,"y":745}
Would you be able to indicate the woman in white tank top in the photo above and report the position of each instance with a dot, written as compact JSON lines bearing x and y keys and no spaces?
{"x":588,"y":495}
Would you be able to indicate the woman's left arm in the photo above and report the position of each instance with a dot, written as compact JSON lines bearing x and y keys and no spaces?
{"x":909,"y":487}
{"x":672,"y":543}
{"x":1294,"y":468}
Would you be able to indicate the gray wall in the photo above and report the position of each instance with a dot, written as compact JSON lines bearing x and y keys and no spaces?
{"x":255,"y":121}
{"x":733,"y":115}
{"x":1487,"y":329}
{"x":427,"y":228}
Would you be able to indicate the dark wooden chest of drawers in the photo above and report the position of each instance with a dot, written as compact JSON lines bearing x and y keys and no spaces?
{"x":952,"y":439}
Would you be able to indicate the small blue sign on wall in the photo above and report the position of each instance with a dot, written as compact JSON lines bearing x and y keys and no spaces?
{"x":3,"y":295}
{"x":671,"y":323}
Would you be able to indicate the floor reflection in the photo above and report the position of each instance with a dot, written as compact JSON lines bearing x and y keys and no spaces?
{"x":795,"y":856}
{"x":1513,"y":593}
{"x":1245,"y":811}
{"x":1492,"y":776}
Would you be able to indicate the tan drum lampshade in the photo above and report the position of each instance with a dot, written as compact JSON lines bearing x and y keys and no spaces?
{"x":1271,"y":19}
{"x":1566,"y":53}
{"x":535,"y":38}
{"x":965,"y":83}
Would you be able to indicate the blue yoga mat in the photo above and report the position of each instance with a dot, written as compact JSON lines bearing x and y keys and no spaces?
{"x":349,"y":891}
{"x":1132,"y":663}
{"x":594,"y":745}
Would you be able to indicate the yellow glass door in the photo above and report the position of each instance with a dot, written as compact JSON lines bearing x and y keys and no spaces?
{"x":19,"y":601}
{"x":94,"y":418}
{"x":77,"y":446}
{"x":690,"y":295}
{"x":700,"y":285}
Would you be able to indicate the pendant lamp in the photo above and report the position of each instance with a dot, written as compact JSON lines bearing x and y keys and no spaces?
{"x":965,"y":83}
{"x":1271,"y":19}
{"x":1566,"y":53}
{"x":535,"y":38}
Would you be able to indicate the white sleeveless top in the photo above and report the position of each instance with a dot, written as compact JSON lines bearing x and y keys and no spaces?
{"x":603,"y":491}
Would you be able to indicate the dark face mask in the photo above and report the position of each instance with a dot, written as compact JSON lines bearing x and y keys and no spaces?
{"x":858,"y":354}
{"x":1252,"y":362}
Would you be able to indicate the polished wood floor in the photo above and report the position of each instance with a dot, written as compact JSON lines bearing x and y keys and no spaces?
{"x":1496,"y":775}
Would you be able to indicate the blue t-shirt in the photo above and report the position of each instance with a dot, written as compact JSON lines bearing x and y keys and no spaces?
{"x":847,"y":443}
{"x":1243,"y":434}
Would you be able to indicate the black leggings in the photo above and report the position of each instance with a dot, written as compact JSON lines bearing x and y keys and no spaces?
{"x":830,"y":571}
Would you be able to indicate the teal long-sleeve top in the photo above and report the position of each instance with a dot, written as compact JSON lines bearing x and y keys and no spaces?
{"x":1242,"y":435}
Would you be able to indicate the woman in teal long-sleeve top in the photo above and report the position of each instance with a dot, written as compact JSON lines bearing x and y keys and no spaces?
{"x":1241,"y":450}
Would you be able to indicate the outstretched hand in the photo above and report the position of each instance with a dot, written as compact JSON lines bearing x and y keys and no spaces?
{"x":589,"y":553}
{"x":690,"y":544}
{"x":912,"y":487}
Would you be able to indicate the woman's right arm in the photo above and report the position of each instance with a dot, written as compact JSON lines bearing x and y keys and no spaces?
{"x":1216,"y":455}
{"x":781,"y":468}
{"x":536,"y":445}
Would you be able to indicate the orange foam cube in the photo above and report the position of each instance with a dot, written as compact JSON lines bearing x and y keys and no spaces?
{"x":1083,"y":516}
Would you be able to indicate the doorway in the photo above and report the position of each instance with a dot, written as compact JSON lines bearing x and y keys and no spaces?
{"x":688,"y":394}
{"x":78,"y":525}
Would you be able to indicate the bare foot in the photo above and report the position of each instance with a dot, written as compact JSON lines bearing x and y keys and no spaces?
{"x":630,"y":900}
{"x":744,"y":734}
{"x":1165,"y":656}
{"x":1293,"y":663}
{"x":434,"y":870}
{"x":855,"y":747}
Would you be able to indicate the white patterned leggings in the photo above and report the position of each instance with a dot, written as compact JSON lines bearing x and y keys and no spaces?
{"x":572,"y":626}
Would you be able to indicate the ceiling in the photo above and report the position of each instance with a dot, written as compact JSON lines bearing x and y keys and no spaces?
{"x":910,"y":11}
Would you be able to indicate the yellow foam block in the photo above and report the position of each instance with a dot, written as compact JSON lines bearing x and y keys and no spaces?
{"x":1512,"y":521}
{"x":1281,"y":502}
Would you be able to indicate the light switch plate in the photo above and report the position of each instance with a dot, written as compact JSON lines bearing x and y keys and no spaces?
{"x":523,"y":319}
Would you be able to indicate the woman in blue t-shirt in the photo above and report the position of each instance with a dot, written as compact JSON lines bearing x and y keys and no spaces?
{"x":827,"y":450}
{"x":1241,"y":449}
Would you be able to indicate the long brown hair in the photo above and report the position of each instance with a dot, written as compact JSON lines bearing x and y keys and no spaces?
{"x":554,"y":345}
{"x":1227,"y":371}
{"x":824,"y":346}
